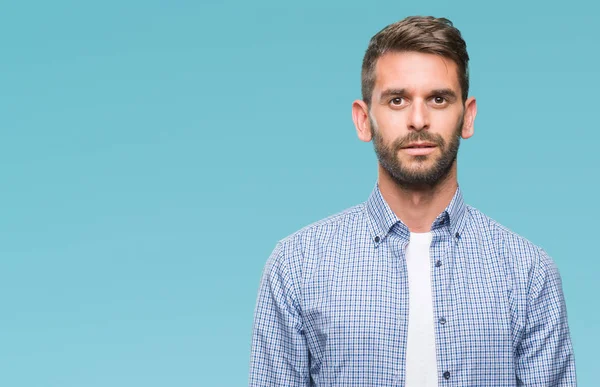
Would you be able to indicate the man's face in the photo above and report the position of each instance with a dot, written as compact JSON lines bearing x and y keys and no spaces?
{"x":416,"y":117}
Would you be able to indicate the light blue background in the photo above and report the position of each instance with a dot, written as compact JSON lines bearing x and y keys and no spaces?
{"x":152,"y":153}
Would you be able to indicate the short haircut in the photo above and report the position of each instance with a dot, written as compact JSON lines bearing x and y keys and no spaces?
{"x":425,"y":34}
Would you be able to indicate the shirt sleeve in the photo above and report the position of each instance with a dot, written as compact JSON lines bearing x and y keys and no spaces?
{"x":279,"y":354}
{"x":545,"y":354}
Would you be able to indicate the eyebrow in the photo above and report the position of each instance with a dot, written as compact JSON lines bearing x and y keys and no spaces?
{"x":447,"y":93}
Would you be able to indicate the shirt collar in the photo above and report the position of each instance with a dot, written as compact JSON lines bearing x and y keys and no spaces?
{"x":382,"y":219}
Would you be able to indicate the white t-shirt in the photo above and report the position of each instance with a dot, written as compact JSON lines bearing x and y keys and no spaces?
{"x":421,"y":365}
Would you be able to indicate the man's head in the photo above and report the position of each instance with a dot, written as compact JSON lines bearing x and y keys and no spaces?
{"x":415,"y":87}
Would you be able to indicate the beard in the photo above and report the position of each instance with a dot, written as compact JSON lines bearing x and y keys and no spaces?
{"x":419,"y":176}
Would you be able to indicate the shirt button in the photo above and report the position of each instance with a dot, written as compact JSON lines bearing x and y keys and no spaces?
{"x":446,"y":375}
{"x":438,"y":263}
{"x":442,"y":320}
{"x":456,"y":235}
{"x":377,"y":239}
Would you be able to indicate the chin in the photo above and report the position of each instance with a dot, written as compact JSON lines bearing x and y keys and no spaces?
{"x":420,"y":162}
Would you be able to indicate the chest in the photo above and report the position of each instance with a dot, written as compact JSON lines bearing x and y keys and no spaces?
{"x":357,"y":304}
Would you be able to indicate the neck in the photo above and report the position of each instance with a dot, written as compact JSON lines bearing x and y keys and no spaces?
{"x":417,"y":207}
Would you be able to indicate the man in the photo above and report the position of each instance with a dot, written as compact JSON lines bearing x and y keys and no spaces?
{"x":413,"y":287}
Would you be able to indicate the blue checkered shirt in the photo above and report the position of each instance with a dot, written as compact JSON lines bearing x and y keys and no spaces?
{"x":332,"y":306}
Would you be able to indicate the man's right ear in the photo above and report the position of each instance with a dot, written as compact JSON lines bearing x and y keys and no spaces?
{"x":360,"y":116}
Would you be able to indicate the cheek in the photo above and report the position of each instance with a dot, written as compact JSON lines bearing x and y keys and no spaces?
{"x":395,"y":119}
{"x":446,"y":124}
{"x":391,"y":125}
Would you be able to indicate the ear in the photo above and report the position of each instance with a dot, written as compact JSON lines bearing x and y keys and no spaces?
{"x":360,"y":116}
{"x":469,"y":117}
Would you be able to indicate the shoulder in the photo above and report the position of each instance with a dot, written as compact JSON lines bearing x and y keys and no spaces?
{"x":323,"y":230}
{"x":296,"y":249}
{"x":521,"y":254}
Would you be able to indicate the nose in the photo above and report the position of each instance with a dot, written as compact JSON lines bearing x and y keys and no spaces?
{"x":418,"y":116}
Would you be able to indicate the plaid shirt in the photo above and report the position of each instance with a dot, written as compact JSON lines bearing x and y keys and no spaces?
{"x":332,"y":307}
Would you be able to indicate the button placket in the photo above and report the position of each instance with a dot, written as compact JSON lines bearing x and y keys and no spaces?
{"x":443,"y":329}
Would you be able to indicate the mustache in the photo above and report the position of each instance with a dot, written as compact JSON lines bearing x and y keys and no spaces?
{"x":422,"y":136}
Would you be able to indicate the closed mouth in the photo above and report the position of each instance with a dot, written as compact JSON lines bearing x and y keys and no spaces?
{"x":420,"y":145}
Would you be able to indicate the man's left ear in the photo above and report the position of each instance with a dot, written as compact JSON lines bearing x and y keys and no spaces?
{"x":469,"y":117}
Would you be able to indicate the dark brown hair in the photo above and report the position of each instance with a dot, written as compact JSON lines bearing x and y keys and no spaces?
{"x":425,"y":34}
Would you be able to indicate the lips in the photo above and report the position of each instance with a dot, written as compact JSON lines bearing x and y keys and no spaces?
{"x":419,"y":148}
{"x":416,"y":145}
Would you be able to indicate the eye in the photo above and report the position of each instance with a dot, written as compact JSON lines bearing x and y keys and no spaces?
{"x":439,"y":100}
{"x":396,"y":101}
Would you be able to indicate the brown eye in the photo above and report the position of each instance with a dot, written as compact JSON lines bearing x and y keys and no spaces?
{"x":439,"y":100}
{"x":396,"y":101}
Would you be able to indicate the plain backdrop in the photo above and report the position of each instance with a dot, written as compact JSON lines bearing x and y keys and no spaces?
{"x":152,"y":153}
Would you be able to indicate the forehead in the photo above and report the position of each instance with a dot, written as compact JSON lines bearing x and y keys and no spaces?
{"x":416,"y":71}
